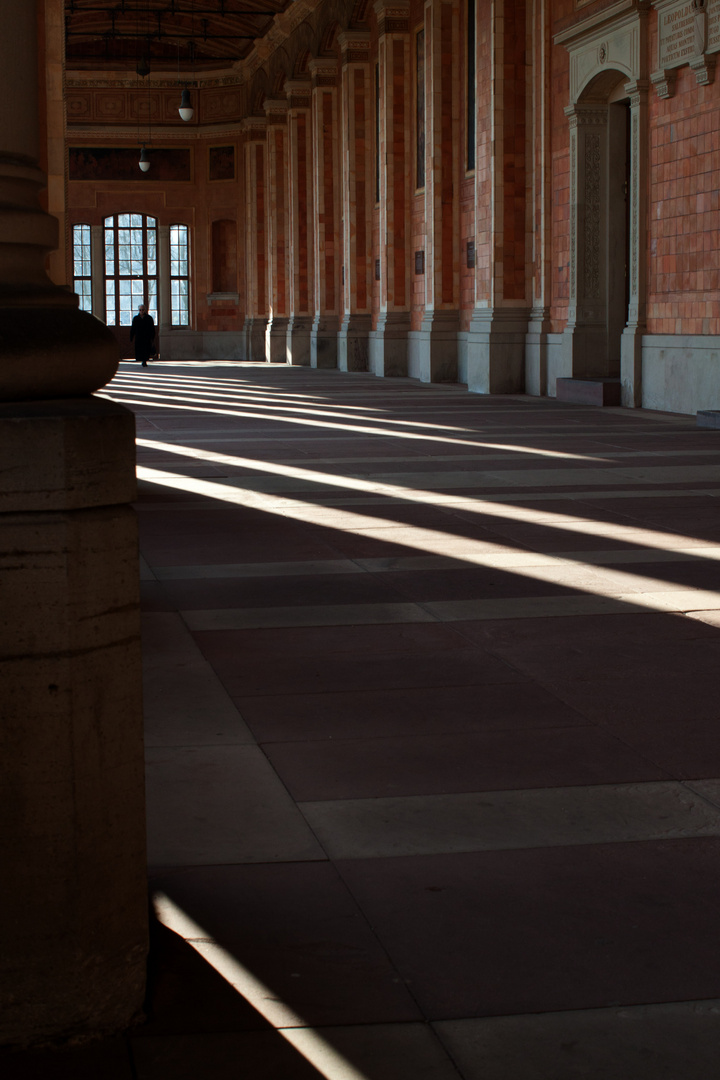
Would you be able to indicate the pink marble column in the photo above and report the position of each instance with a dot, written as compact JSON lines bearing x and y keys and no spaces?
{"x":278,"y":231}
{"x":388,"y":342}
{"x":499,"y":323}
{"x":255,"y":162}
{"x":358,"y":190}
{"x":300,"y":204}
{"x":327,"y":213}
{"x":434,"y":347}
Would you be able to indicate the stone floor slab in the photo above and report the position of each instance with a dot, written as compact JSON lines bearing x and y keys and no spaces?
{"x":545,"y":930}
{"x":455,"y":763}
{"x":502,"y":820}
{"x":220,"y":804}
{"x":674,"y":1041}
{"x":407,"y":711}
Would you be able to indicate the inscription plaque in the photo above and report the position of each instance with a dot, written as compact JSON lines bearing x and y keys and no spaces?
{"x":681,"y":31}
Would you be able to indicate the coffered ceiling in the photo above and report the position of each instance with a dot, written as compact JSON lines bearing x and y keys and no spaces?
{"x":162,"y":35}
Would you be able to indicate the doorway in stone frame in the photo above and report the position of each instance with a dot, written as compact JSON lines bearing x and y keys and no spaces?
{"x":618,"y":227}
{"x":601,"y":177}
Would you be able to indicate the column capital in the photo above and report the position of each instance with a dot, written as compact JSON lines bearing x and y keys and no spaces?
{"x":254,"y":128}
{"x":298,"y":93}
{"x":393,"y":16}
{"x":276,"y":110}
{"x":354,"y":46}
{"x":324,"y":72}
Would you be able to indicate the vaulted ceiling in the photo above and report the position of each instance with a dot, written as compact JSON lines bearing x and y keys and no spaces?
{"x":193,"y":35}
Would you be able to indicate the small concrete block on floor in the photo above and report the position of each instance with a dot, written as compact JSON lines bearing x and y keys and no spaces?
{"x":589,"y":391}
{"x":708,"y":418}
{"x":675,"y":1041}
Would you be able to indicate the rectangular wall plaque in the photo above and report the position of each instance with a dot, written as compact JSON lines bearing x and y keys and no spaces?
{"x":419,"y":262}
{"x":377,"y":269}
{"x":685,"y":32}
{"x":470,"y":254}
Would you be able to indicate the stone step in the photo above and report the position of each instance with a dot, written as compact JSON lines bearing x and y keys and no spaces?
{"x":599,"y":391}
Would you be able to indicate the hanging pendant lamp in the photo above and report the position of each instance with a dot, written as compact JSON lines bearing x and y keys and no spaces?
{"x":144,"y":161}
{"x":185,"y":109}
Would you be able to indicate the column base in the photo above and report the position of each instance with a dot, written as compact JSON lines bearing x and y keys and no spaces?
{"x":433,"y":349}
{"x":537,"y":347}
{"x":276,"y":340}
{"x":324,"y":341}
{"x":255,"y":330}
{"x":298,"y":340}
{"x":72,"y":803}
{"x":583,"y":355}
{"x":353,"y":341}
{"x":496,"y":350}
{"x":631,"y":367}
{"x":388,"y":345}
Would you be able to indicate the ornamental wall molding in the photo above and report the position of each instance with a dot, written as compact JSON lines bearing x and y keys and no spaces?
{"x":612,"y":41}
{"x":78,"y":134}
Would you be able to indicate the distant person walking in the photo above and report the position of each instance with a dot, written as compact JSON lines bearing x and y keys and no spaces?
{"x":142,"y":332}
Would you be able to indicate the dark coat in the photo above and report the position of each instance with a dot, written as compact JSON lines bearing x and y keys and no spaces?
{"x":142,"y":332}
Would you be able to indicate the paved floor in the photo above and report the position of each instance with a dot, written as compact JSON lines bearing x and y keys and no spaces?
{"x":432,"y":734}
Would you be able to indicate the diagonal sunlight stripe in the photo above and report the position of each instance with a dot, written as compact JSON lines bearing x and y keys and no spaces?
{"x":621,"y":585}
{"x":286,"y":1022}
{"x":357,"y":429}
{"x":630,"y":534}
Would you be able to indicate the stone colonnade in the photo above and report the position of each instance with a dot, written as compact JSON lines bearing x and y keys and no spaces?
{"x":399,"y":201}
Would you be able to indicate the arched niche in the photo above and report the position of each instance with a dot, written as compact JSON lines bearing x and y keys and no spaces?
{"x":607,"y":117}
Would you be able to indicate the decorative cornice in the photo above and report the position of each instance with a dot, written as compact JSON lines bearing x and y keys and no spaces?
{"x":78,"y":134}
{"x":393,"y":16}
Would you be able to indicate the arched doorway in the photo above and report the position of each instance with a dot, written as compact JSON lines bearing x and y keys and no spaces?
{"x":601,"y":355}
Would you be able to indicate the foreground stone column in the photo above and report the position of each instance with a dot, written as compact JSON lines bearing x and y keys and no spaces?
{"x":73,"y":911}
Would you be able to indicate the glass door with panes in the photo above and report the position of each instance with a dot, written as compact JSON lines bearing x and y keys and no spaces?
{"x":130,"y":273}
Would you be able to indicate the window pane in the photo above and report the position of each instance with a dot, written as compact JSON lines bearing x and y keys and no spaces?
{"x":109,"y":222}
{"x":83,"y":290}
{"x":136,"y":220}
{"x":110,"y":317}
{"x":123,"y":220}
{"x":151,"y":222}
